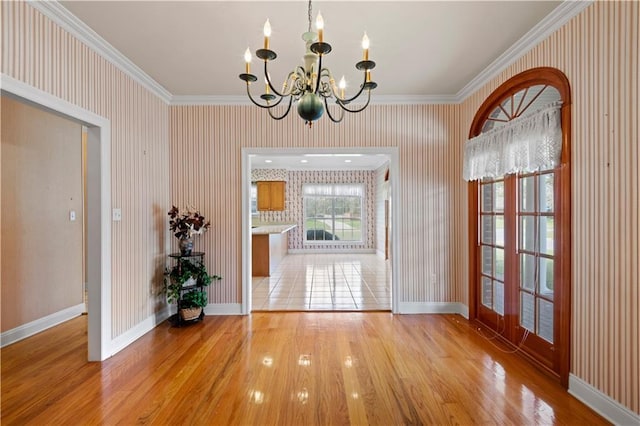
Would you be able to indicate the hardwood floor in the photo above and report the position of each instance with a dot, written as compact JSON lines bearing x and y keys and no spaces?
{"x":284,"y":369}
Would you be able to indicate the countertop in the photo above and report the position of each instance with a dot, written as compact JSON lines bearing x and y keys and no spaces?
{"x":273,"y":228}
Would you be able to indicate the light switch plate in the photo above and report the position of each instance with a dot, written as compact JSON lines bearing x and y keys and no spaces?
{"x":72,"y":215}
{"x":117,"y":215}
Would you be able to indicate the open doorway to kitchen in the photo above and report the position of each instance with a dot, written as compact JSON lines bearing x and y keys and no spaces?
{"x":317,"y":229}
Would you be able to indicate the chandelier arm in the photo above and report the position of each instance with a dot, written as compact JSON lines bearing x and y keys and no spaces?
{"x":319,"y":74}
{"x":285,"y":113}
{"x":266,"y":76}
{"x":346,"y":101}
{"x":259,"y":105}
{"x":326,"y":104}
{"x":359,"y":109}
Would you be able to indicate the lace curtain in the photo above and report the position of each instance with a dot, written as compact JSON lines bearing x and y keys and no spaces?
{"x":525,"y":144}
{"x":333,"y":190}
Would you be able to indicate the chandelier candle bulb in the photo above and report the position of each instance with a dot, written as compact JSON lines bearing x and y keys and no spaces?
{"x":247,"y":59}
{"x":342,"y":85}
{"x":365,"y":47}
{"x":320,"y":27}
{"x":267,"y":34}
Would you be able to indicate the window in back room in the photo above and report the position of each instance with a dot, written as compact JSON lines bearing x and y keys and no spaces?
{"x":333,"y":212}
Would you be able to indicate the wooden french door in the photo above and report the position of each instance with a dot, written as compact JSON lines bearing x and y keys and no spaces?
{"x":520,"y":255}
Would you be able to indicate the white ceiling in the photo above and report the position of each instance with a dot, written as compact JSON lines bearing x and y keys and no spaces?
{"x":194,"y":49}
{"x":422,"y":48}
{"x":342,"y":160}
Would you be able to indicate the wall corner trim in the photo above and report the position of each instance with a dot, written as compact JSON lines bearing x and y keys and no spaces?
{"x":134,"y":333}
{"x":41,"y":324}
{"x":53,"y":10}
{"x":433,"y":308}
{"x":602,"y":404}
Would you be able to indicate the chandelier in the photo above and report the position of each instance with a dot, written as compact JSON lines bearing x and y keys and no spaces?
{"x":311,"y":85}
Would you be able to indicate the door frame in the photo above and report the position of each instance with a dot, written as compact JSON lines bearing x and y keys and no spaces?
{"x":393,"y":154}
{"x":98,"y":213}
{"x":557,"y":79}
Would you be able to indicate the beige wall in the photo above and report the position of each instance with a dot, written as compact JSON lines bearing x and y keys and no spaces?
{"x":40,"y":53}
{"x":598,"y":52}
{"x":41,"y":184}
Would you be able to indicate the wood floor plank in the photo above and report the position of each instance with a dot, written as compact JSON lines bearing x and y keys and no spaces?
{"x":302,"y":368}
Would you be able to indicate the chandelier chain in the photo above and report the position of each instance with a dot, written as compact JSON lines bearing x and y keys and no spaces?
{"x":309,"y":16}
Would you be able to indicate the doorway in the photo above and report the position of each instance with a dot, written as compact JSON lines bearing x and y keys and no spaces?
{"x":391,"y":154}
{"x":98,"y":209}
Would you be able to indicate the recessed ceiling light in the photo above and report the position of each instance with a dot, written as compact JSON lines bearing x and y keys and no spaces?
{"x":304,"y":161}
{"x":347,"y":161}
{"x":268,"y":161}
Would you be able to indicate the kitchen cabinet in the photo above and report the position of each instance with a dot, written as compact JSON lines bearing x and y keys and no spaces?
{"x":270,"y":195}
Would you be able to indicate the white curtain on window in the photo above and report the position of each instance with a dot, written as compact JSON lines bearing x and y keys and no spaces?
{"x":329,"y":190}
{"x":525,"y":144}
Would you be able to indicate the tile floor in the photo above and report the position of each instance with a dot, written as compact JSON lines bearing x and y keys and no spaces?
{"x":331,"y":282}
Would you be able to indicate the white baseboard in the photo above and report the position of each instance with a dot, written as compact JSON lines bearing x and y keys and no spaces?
{"x":433,"y":308}
{"x":41,"y":324}
{"x":223,"y":309}
{"x":602,"y":404}
{"x":133,"y":334}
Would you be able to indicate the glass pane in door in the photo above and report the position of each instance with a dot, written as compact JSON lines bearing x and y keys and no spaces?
{"x":499,"y":263}
{"x":527,"y":233}
{"x":545,"y":320}
{"x":527,"y":311}
{"x":546,"y":235}
{"x":486,"y":197}
{"x":528,"y":272}
{"x":487,"y":229}
{"x":546,"y":277}
{"x":498,"y":297}
{"x":527,"y":194}
{"x":499,"y":230}
{"x":487,"y":260}
{"x":487,"y":293}
{"x":546,"y":193}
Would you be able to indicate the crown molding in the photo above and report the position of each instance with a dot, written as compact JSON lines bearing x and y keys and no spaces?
{"x":413,"y":99}
{"x":180,"y":100}
{"x":213,"y":100}
{"x":69,"y":22}
{"x":543,"y":29}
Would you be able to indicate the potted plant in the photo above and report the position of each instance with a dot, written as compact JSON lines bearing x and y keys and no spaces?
{"x":185,"y":225}
{"x":191,"y":276}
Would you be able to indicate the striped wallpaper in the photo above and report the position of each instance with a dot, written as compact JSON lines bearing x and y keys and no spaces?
{"x":191,"y":155}
{"x":38,"y":52}
{"x":209,"y":140}
{"x":599,"y":53}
